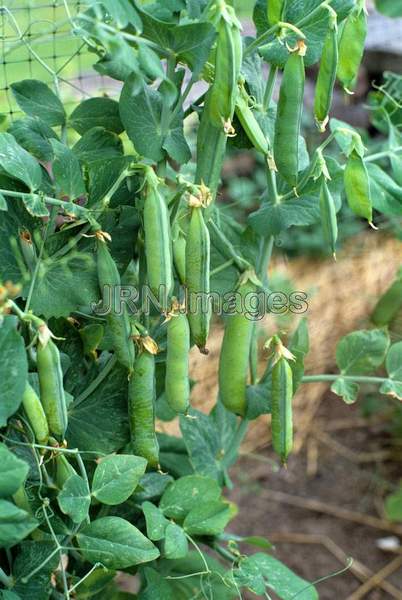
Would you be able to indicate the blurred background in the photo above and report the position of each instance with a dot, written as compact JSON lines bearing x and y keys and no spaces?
{"x":347,"y":460}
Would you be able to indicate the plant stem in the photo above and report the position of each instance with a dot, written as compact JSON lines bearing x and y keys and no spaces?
{"x":5,"y":579}
{"x":356,"y":378}
{"x":270,"y":86}
{"x":52,"y":201}
{"x":378,"y":155}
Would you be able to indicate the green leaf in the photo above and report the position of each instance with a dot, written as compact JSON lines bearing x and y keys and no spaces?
{"x":7,"y":595}
{"x":140,"y":112}
{"x":347,"y":138}
{"x":393,"y":364}
{"x":362,"y":352}
{"x":348,"y":390}
{"x":385,"y":193}
{"x":271,"y":219}
{"x":98,"y":144}
{"x":175,"y":544}
{"x":34,"y":135}
{"x":151,"y":486}
{"x":67,"y":172}
{"x":299,"y":347}
{"x":175,"y":142}
{"x":64,"y":285}
{"x":208,"y":518}
{"x":36,"y":206}
{"x":393,"y":506}
{"x":15,"y":524}
{"x":392,"y":388}
{"x":99,"y":423}
{"x":115,"y":543}
{"x":186,"y":493}
{"x":124,"y":13}
{"x":13,"y":369}
{"x":155,"y":521}
{"x":74,"y":499}
{"x":35,"y":98}
{"x":156,"y":587}
{"x":29,"y":558}
{"x":13,"y":472}
{"x":390,"y":8}
{"x":103,"y":176}
{"x":18,"y":163}
{"x":261,"y":571}
{"x":116,"y":478}
{"x":96,"y":112}
{"x":203,"y":443}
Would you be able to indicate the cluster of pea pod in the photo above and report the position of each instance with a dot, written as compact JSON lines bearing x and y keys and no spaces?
{"x":190,"y":254}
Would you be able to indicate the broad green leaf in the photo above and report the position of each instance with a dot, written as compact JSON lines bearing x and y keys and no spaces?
{"x":29,"y":558}
{"x":392,"y":388}
{"x":208,"y":518}
{"x":383,"y":201}
{"x":8,"y":595}
{"x":186,"y":493}
{"x":175,"y":143}
{"x":36,"y":99}
{"x":155,"y":521}
{"x":203,"y":443}
{"x":259,"y":401}
{"x":314,"y":28}
{"x":393,"y":362}
{"x":347,"y":138}
{"x":74,"y":499}
{"x":35,"y":205}
{"x":67,"y":172}
{"x":18,"y":163}
{"x":64,"y":285}
{"x":103,"y":176}
{"x":34,"y":135}
{"x":140,"y":112}
{"x":362,"y":352}
{"x":98,"y":144}
{"x":13,"y":472}
{"x":348,"y":390}
{"x":124,"y":13}
{"x":389,"y":304}
{"x":115,"y":543}
{"x":99,"y":423}
{"x":15,"y":524}
{"x":95,"y":583}
{"x":261,"y":571}
{"x":390,"y":8}
{"x":151,"y":486}
{"x":271,"y":218}
{"x":116,"y":478}
{"x":395,"y":141}
{"x":13,"y":369}
{"x":393,"y":506}
{"x":175,"y":544}
{"x":156,"y":587}
{"x":96,"y":112}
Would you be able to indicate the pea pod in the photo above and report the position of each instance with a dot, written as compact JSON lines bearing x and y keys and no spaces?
{"x":352,"y":38}
{"x":357,"y":186}
{"x":117,"y":320}
{"x":197,"y":278}
{"x":36,"y":415}
{"x":250,"y":123}
{"x":326,"y":76}
{"x":389,"y":304}
{"x":177,"y":386}
{"x":211,"y":147}
{"x":234,"y":358}
{"x":141,"y":407}
{"x":228,"y":59}
{"x":282,"y":420}
{"x":179,"y":252}
{"x":157,"y":242}
{"x":52,"y":394}
{"x":328,"y":216}
{"x":288,"y":120}
{"x":275,"y":10}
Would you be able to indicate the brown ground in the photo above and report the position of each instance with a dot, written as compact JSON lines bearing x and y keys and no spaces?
{"x":340,"y":482}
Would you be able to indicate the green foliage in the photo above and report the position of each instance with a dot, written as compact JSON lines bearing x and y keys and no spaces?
{"x":96,"y":198}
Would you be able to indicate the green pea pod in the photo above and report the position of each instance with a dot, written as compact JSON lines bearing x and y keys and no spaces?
{"x":52,"y":394}
{"x":234,"y":358}
{"x":352,"y":38}
{"x":141,"y":407}
{"x":389,"y":304}
{"x":179,"y":252}
{"x":328,"y":216}
{"x":117,"y":320}
{"x":158,"y":249}
{"x":274,"y":11}
{"x":282,"y":420}
{"x":288,"y":120}
{"x":250,"y":123}
{"x":36,"y":415}
{"x":326,"y":76}
{"x":228,"y":59}
{"x":197,"y":279}
{"x":357,"y":186}
{"x":177,"y":386}
{"x":211,"y":147}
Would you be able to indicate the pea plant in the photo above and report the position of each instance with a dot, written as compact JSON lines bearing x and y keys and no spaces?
{"x":117,"y":254}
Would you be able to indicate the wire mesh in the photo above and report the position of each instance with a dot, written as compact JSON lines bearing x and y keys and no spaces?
{"x":37,"y":42}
